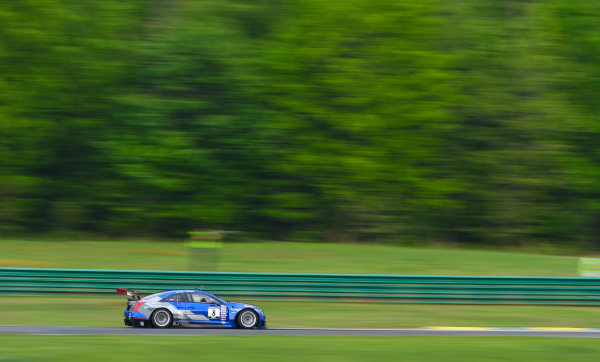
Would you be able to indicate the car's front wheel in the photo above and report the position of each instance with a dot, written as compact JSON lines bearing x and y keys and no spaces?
{"x":247,"y":319}
{"x":161,"y":318}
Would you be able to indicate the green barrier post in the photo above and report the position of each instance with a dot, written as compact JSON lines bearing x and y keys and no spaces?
{"x":205,"y":248}
{"x":589,"y":267}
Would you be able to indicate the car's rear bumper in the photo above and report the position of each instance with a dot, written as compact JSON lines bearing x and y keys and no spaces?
{"x":135,"y":319}
{"x":135,"y":315}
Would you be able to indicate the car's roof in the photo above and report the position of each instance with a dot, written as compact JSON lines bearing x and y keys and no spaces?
{"x":169,"y":292}
{"x":166,"y":293}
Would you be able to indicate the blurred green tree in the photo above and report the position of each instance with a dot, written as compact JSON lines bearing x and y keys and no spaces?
{"x":470,"y":121}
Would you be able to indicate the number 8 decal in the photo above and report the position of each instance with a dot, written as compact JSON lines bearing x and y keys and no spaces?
{"x":213,"y":312}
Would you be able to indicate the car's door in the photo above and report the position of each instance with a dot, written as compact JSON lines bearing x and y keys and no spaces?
{"x":205,"y":308}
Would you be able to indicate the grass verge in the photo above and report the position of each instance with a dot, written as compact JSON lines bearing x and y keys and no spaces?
{"x":105,"y":311}
{"x":281,"y":257}
{"x":294,"y":348}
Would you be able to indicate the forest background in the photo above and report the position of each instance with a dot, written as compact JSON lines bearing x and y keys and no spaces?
{"x":398,"y":121}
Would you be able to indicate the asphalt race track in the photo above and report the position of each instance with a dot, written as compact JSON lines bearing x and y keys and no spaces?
{"x":430,"y":331}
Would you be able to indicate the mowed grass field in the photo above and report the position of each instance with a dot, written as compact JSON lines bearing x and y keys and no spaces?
{"x":294,"y":348}
{"x":108,"y":312}
{"x":282,"y":257}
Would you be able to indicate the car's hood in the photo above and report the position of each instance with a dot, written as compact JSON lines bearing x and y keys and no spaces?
{"x":240,"y":305}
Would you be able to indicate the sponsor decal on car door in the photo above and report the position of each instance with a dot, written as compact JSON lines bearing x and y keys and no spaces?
{"x":203,"y":308}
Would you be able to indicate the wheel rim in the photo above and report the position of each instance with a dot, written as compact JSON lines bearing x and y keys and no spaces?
{"x":161,"y":318}
{"x":248,"y":319}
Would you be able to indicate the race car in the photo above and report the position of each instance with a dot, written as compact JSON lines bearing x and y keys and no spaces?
{"x":189,"y":307}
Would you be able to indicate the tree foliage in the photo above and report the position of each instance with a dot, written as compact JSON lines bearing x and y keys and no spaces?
{"x":357,"y":120}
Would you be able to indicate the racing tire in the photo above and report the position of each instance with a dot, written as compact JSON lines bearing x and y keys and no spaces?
{"x":161,"y":318}
{"x":246,"y":319}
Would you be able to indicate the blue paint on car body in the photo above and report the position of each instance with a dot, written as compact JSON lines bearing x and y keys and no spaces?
{"x":193,"y":306}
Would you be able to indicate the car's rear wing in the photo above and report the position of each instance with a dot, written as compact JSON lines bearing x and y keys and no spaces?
{"x":131,"y":294}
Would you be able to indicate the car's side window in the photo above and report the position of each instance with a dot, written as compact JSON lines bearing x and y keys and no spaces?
{"x":177,"y":297}
{"x":203,"y":298}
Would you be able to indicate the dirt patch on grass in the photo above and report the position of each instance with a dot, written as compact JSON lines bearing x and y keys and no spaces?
{"x":22,"y":262}
{"x":153,"y":251}
{"x":286,"y":255}
{"x":34,"y":248}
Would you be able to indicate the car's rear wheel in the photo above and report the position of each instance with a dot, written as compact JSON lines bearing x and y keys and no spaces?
{"x":247,"y":319}
{"x":161,"y":318}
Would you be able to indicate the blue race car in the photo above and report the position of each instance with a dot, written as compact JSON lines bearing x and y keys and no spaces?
{"x":187,"y":307}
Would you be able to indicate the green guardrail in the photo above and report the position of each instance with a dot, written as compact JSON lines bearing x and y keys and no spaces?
{"x":294,"y":286}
